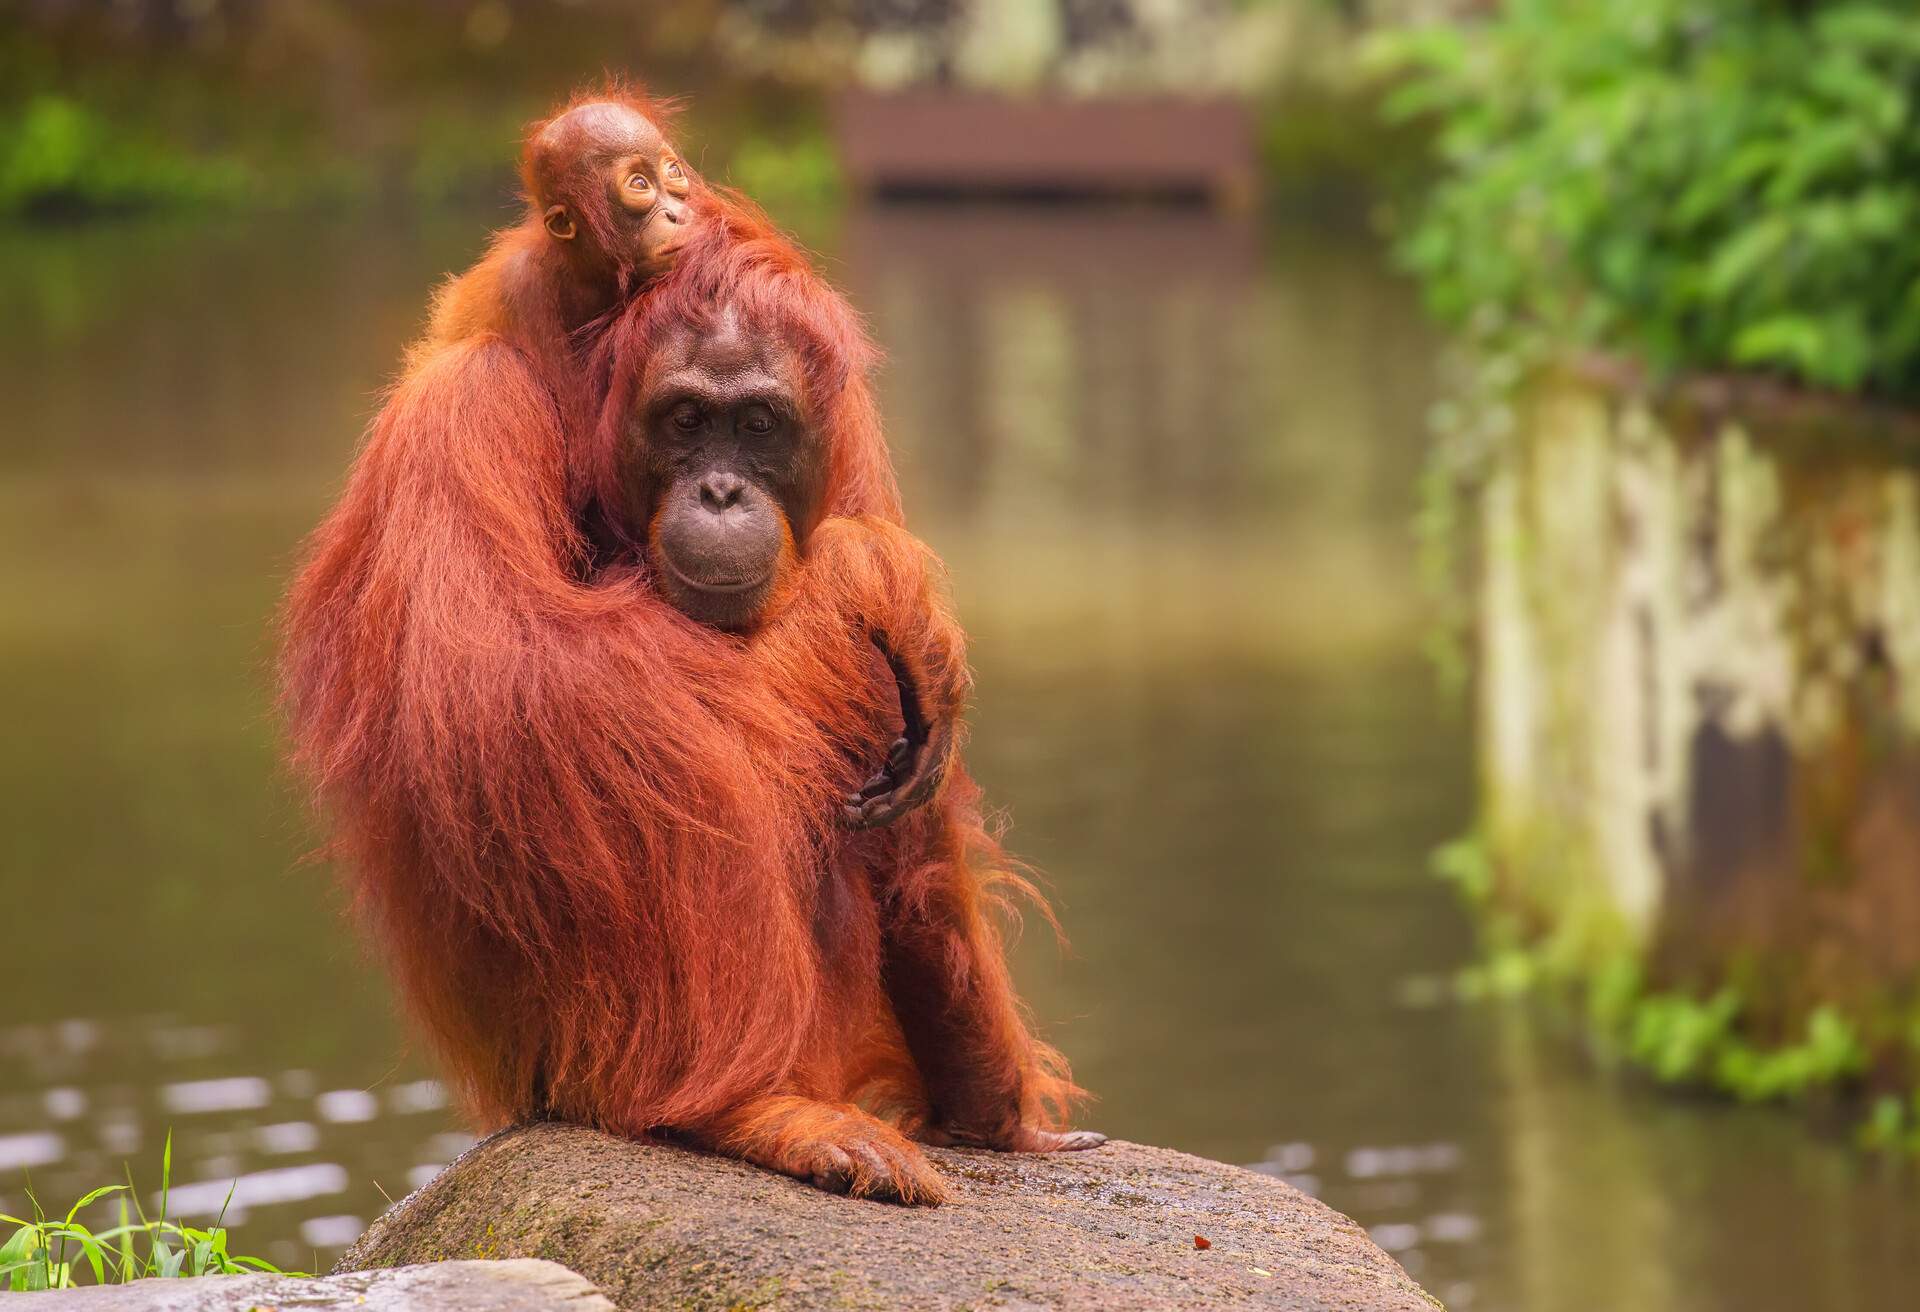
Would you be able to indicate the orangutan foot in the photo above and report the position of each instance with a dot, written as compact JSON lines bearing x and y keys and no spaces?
{"x":832,"y":1146}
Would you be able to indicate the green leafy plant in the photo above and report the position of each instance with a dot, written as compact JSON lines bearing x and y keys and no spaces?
{"x":1830,"y":1054}
{"x":1702,"y":184}
{"x":1676,"y":1036}
{"x":1467,"y":865}
{"x":45,"y":1253}
{"x":56,"y":152}
{"x":801,"y":171}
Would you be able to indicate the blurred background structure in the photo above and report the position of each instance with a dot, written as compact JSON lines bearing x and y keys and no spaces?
{"x":1602,"y":582}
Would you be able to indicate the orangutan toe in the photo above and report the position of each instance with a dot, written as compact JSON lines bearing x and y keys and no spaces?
{"x":865,"y":1159}
{"x":1073,"y":1141}
{"x":1032,"y":1139}
{"x":891,"y":1168}
{"x":1018,"y":1139}
{"x":824,"y":1167}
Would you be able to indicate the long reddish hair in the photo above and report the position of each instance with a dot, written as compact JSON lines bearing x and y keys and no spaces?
{"x":593,"y":837}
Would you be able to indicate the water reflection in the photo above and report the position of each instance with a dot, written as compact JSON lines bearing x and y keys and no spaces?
{"x":1170,"y":462}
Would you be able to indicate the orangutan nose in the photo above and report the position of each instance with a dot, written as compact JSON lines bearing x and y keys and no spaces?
{"x":720,"y":490}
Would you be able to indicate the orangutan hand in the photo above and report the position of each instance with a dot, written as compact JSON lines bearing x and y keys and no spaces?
{"x":917,"y":761}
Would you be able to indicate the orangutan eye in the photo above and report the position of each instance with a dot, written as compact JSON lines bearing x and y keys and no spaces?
{"x":639,"y":182}
{"x":686,"y":419}
{"x":760,"y":423}
{"x":673,"y":170}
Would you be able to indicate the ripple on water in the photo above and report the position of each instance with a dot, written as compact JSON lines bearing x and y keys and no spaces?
{"x":94,"y":1100}
{"x":63,"y":1103}
{"x":331,"y":1231}
{"x":287,"y":1184}
{"x":347,"y":1106}
{"x":417,"y":1096}
{"x":18,"y":1151}
{"x":232,"y":1094}
{"x":284,"y":1137}
{"x":1394,"y":1186}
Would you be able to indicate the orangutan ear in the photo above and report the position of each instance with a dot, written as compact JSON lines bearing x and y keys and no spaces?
{"x":560,"y":223}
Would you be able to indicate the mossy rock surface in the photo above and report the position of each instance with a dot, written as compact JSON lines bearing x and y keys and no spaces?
{"x":663,"y":1227}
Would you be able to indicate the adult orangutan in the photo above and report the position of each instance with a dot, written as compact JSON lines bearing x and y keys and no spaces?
{"x":594,"y":713}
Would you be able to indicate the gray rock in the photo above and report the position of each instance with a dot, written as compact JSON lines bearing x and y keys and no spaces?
{"x":657,"y":1226}
{"x":519,"y":1286}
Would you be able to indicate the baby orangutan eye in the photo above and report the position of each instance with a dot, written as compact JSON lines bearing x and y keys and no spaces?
{"x":639,"y":182}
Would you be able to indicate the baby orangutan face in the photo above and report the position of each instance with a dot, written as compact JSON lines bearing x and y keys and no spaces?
{"x":612,"y":188}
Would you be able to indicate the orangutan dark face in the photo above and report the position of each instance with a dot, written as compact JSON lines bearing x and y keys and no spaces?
{"x":729,"y":472}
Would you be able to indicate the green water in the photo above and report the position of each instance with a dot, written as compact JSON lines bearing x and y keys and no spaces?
{"x":1171,"y":463}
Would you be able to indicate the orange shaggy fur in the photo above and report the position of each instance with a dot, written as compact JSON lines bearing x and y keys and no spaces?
{"x":595,"y":840}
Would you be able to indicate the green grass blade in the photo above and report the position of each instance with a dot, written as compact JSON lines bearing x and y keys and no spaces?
{"x":133,"y":1193}
{"x":90,"y":1246}
{"x":17,"y":1255}
{"x":166,"y":1174}
{"x":125,"y":1236}
{"x":261,"y":1264}
{"x":38,"y":1254}
{"x":101,"y":1192}
{"x":118,"y":1232}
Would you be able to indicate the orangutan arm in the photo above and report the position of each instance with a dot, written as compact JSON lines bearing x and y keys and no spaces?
{"x":880,"y":579}
{"x":990,"y":1082}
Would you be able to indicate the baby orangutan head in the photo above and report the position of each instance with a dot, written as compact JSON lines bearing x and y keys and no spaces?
{"x":612,"y":191}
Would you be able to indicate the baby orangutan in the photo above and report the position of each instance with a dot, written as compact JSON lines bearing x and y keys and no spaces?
{"x":609,"y":204}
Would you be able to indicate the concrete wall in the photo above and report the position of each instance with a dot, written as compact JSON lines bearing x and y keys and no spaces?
{"x":1699,"y":695}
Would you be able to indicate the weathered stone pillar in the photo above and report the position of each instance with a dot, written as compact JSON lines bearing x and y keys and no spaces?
{"x":1699,"y":694}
